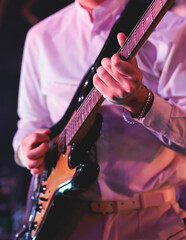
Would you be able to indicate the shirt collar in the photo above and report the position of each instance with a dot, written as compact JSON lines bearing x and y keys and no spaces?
{"x":109,"y":7}
{"x":106,"y":9}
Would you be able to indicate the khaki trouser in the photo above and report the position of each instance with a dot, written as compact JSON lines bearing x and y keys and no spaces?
{"x":74,"y":219}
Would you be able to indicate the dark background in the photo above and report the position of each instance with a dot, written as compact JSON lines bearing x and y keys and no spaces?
{"x":16,"y":17}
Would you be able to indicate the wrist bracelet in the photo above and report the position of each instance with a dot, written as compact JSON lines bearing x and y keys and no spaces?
{"x":126,"y":120}
{"x":143,"y":111}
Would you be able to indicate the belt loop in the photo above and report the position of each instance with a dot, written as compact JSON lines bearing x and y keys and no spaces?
{"x":152,"y":200}
{"x":158,"y":197}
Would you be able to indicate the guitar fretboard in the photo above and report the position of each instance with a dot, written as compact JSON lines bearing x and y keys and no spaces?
{"x":82,"y":113}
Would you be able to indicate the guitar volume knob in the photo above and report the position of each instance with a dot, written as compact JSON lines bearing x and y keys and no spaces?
{"x":43,"y":189}
{"x":39,"y":208}
{"x":33,"y":226}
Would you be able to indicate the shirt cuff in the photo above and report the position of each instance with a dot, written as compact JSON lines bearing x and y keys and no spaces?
{"x":158,"y":116}
{"x":20,"y":158}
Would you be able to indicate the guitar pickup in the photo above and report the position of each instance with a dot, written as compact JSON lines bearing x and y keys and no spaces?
{"x":43,"y":199}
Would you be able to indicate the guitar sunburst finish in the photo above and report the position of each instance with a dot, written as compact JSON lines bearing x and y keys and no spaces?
{"x":59,"y":178}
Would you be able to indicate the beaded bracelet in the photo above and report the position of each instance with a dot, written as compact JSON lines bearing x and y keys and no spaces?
{"x":126,"y":120}
{"x":142,"y":113}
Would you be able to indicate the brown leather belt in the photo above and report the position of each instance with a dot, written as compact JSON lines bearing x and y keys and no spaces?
{"x":149,"y":199}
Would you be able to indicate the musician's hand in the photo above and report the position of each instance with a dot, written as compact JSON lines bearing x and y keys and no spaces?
{"x":120,"y":82}
{"x":34,"y":147}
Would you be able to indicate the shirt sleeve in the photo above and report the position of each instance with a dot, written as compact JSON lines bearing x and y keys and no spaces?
{"x":167,"y":116}
{"x":32,"y":108}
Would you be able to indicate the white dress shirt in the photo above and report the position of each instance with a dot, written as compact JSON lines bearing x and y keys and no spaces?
{"x":133,"y":158}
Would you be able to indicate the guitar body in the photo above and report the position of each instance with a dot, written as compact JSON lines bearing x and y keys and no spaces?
{"x":58,"y":181}
{"x":62,"y":180}
{"x":66,"y":174}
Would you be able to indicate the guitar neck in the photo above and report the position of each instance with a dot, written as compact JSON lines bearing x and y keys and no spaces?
{"x":86,"y":108}
{"x":93,"y":100}
{"x":147,"y":23}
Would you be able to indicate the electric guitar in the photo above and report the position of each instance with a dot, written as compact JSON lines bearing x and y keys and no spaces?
{"x":68,"y":167}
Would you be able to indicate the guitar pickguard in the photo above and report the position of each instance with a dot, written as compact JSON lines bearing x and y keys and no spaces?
{"x":62,"y":180}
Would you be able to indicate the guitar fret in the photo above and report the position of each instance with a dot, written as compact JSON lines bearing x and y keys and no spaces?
{"x":135,"y":40}
{"x":128,"y":51}
{"x":143,"y":28}
{"x":147,"y":23}
{"x":67,"y":137}
{"x":132,"y":42}
{"x":86,"y":109}
{"x":83,"y":117}
{"x":79,"y":120}
{"x":97,"y":96}
{"x":70,"y":133}
{"x":161,"y":4}
{"x":61,"y":141}
{"x":93,"y":100}
{"x":89,"y":108}
{"x":92,"y":103}
{"x":155,"y":9}
{"x":73,"y":128}
{"x":124,"y":52}
{"x":151,"y":13}
{"x":140,"y":30}
{"x":76,"y":126}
